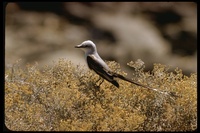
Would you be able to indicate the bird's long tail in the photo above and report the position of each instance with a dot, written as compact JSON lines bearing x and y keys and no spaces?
{"x":136,"y":83}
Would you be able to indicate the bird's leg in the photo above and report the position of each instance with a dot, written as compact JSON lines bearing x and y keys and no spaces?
{"x":100,"y":78}
{"x":101,"y":81}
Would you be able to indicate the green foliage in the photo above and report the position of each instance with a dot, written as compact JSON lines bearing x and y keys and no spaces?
{"x":65,"y":97}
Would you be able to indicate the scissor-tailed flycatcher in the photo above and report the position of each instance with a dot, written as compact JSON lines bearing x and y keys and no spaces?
{"x":95,"y":63}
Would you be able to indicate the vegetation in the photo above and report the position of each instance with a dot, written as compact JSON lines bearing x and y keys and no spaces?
{"x":65,"y":97}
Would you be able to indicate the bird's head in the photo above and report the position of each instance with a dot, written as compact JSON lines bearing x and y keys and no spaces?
{"x":88,"y":46}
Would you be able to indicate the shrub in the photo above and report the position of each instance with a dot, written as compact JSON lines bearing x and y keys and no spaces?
{"x":65,"y":97}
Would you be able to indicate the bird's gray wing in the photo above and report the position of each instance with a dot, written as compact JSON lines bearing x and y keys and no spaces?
{"x":95,"y":65}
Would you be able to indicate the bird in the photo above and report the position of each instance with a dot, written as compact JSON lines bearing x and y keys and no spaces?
{"x":96,"y":63}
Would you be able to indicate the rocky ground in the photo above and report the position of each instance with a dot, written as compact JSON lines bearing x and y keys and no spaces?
{"x":163,"y":32}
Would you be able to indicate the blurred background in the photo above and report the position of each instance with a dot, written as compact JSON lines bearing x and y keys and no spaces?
{"x":155,"y":32}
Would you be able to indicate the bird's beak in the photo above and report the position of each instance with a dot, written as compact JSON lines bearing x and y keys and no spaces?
{"x":78,"y":46}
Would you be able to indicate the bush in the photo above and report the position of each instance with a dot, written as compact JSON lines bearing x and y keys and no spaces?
{"x":65,"y":97}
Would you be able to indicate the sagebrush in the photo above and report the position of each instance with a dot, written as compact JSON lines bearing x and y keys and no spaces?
{"x":66,"y":97}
